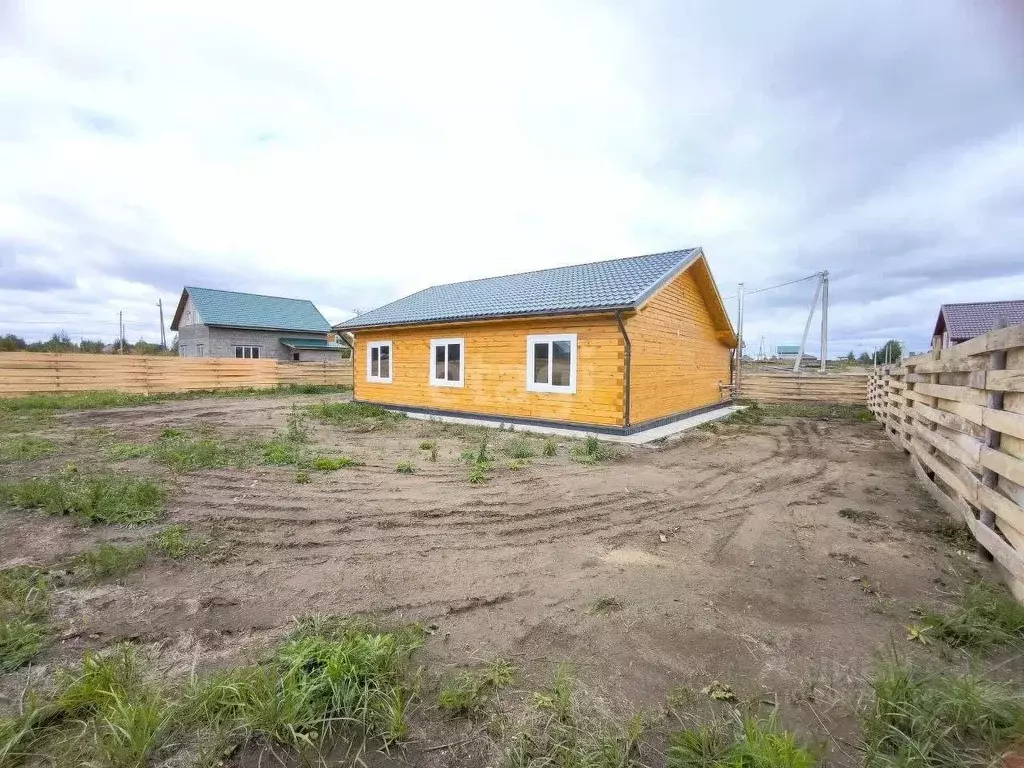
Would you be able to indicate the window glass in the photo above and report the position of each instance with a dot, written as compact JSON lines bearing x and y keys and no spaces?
{"x":454,"y":362}
{"x":375,"y":361}
{"x":385,"y":362}
{"x":439,"y":368}
{"x":255,"y":353}
{"x":540,"y":362}
{"x":238,"y":351}
{"x":561,"y":363}
{"x":199,"y":350}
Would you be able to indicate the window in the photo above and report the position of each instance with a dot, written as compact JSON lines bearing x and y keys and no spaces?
{"x":188,"y":317}
{"x":378,"y":361}
{"x":551,"y":363}
{"x":295,"y":357}
{"x":446,"y":362}
{"x":199,"y":351}
{"x":248,"y":352}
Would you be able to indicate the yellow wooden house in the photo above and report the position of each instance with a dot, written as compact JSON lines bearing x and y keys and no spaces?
{"x":611,"y":347}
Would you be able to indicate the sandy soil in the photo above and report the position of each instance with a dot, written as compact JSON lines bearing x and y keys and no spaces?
{"x":728,"y":552}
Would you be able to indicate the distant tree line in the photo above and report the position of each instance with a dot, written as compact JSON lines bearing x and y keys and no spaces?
{"x":61,"y":342}
{"x":891,"y":351}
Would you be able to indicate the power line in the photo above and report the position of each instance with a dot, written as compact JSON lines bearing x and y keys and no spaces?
{"x":773,"y":287}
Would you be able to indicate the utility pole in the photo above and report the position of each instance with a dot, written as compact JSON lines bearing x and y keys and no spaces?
{"x":739,"y":338}
{"x":163,"y":334}
{"x":824,"y":319}
{"x":807,"y":327}
{"x":120,"y":331}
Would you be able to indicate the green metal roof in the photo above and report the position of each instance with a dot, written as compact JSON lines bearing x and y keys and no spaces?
{"x":250,"y":310}
{"x":312,"y":344}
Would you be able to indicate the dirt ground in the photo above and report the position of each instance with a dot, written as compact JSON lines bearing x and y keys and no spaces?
{"x":728,"y":552}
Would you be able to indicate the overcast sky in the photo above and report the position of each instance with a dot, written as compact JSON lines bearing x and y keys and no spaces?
{"x":353,"y":152}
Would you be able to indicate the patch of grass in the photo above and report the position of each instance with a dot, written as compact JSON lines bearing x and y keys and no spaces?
{"x":125,"y":451}
{"x":282,"y":453}
{"x":519,"y":449}
{"x":550,"y":447}
{"x":516,"y":464}
{"x":938,"y":720}
{"x":298,"y":429}
{"x":743,"y":741}
{"x":986,"y":616}
{"x":426,"y":445}
{"x":482,"y":457}
{"x":864,"y":517}
{"x":24,"y":448}
{"x":302,"y":477}
{"x":405,"y":468}
{"x":354,"y":414}
{"x":604,"y":605}
{"x":591,"y":451}
{"x":468,"y":692}
{"x":183,"y":453}
{"x":177,"y":543}
{"x":564,"y":734}
{"x":24,"y":605}
{"x":757,"y":414}
{"x":433,"y":452}
{"x":108,"y":560}
{"x":101,"y":498}
{"x":326,"y":464}
{"x":477,"y":474}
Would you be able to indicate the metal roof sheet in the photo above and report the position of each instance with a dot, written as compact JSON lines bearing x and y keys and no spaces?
{"x":602,"y":285}
{"x":251,"y":310}
{"x":965,"y":321}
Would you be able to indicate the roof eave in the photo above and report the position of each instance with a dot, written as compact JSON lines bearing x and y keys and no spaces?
{"x":603,"y":310}
{"x":267,"y":328}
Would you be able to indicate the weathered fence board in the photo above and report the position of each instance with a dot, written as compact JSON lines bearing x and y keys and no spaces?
{"x":834,"y":388}
{"x":966,"y":444}
{"x":24,"y":373}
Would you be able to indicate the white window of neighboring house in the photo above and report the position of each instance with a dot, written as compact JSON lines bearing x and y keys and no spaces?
{"x":199,"y":351}
{"x":379,"y":361}
{"x":188,"y":317}
{"x":447,"y":362}
{"x":248,"y":352}
{"x":551,"y":363}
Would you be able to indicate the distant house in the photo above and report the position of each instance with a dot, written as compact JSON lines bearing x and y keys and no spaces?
{"x":790,"y":352}
{"x":961,"y":322}
{"x":213,"y":323}
{"x":613,"y":346}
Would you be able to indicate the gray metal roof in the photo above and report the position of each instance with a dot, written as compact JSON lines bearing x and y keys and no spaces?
{"x":250,"y":310}
{"x":965,"y":321}
{"x":581,"y":288}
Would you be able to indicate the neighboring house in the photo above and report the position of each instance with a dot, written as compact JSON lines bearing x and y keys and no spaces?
{"x":612,"y":346}
{"x":790,"y":352}
{"x":961,"y":322}
{"x":212,"y":323}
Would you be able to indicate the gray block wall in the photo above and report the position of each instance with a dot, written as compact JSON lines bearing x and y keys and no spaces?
{"x":221,"y":342}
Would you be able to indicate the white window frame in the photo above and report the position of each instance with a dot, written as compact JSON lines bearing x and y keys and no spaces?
{"x":370,"y":346}
{"x":434,"y":344}
{"x":549,"y":338}
{"x":250,"y":347}
{"x":200,"y":350}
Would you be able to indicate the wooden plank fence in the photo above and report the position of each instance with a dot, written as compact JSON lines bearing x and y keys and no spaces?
{"x":832,"y":388}
{"x":959,"y":414}
{"x":23,"y":373}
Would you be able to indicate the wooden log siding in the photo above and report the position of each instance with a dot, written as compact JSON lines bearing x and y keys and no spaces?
{"x":937,"y":408}
{"x":26,"y":373}
{"x":835,"y":388}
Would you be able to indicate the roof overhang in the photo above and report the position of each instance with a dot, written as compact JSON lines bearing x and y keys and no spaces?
{"x":609,"y":310}
{"x":313,"y":344}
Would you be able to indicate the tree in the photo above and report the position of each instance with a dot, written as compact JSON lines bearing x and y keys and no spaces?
{"x":12,"y":343}
{"x":865,"y":358}
{"x":143,"y":347}
{"x":891,"y":352}
{"x":59,"y":342}
{"x":90,"y":346}
{"x":851,"y":357}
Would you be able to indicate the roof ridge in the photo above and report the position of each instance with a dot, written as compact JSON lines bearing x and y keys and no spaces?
{"x":249,"y":293}
{"x":551,"y":269}
{"x":981,"y":303}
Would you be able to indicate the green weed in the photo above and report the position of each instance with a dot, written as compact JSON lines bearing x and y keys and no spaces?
{"x":986,"y":616}
{"x":24,"y":448}
{"x":592,"y":451}
{"x":550,"y":447}
{"x":519,"y":449}
{"x":188,"y":453}
{"x":939,"y":720}
{"x":24,"y":605}
{"x":605,"y":605}
{"x":108,"y":560}
{"x":101,"y":498}
{"x":280,"y":452}
{"x":405,"y":468}
{"x":125,"y":451}
{"x":353,"y":414}
{"x":478,"y":474}
{"x":741,"y":742}
{"x":426,"y":445}
{"x":302,"y":478}
{"x":433,"y":452}
{"x":298,"y":429}
{"x":516,"y":464}
{"x":468,"y":692}
{"x":177,"y":543}
{"x":20,"y":642}
{"x":330,"y":464}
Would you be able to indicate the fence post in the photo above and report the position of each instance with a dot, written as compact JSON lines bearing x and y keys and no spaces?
{"x":990,"y":478}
